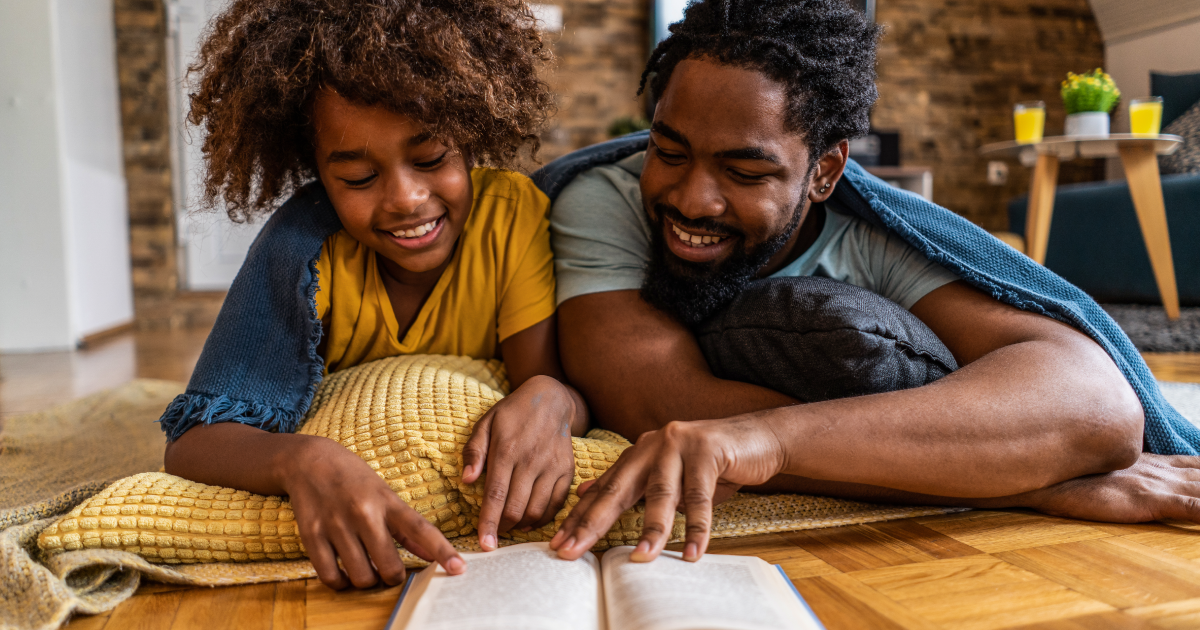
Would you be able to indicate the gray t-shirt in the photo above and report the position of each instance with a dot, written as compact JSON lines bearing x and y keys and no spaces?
{"x":601,"y":239}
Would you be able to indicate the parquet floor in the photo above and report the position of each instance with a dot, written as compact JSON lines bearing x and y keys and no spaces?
{"x":974,"y":570}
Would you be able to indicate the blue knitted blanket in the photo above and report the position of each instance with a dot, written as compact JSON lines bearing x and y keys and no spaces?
{"x":260,"y":365}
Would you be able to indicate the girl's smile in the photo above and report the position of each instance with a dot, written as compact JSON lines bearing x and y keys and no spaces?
{"x":418,"y":237}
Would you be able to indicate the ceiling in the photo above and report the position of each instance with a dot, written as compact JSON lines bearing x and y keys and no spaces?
{"x":1120,"y":20}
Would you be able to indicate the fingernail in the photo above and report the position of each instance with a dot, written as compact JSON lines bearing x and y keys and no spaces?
{"x":489,"y":542}
{"x":641,"y":552}
{"x":569,"y":544}
{"x":455,"y":565}
{"x":558,"y":536}
{"x":527,"y":528}
{"x":691,"y":551}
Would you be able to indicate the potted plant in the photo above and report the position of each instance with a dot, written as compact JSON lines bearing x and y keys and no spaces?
{"x":1088,"y":98}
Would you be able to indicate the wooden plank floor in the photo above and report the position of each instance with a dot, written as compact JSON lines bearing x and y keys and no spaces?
{"x":975,"y":570}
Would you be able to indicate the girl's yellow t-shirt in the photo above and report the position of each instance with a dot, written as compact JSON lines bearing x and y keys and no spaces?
{"x":500,"y":282}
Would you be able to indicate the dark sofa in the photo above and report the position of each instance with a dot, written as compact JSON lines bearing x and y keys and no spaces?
{"x":1096,"y":244}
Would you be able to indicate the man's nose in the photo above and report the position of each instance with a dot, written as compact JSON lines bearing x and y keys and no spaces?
{"x":405,"y":192}
{"x":697,"y":195}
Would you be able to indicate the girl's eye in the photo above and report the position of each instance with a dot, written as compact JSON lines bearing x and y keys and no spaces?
{"x":360,"y":182}
{"x":434,"y":162}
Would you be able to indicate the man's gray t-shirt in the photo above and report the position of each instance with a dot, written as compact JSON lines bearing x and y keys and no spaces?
{"x":601,"y":239}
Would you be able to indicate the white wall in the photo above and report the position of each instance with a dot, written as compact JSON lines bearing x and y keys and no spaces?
{"x":1141,"y":36}
{"x":98,"y":225}
{"x":1174,"y":50}
{"x":63,"y":215}
{"x":34,"y":298}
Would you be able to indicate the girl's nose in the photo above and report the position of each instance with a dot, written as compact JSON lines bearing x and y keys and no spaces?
{"x":405,"y":193}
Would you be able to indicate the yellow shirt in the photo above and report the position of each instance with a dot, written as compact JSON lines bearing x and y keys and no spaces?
{"x":500,"y":282}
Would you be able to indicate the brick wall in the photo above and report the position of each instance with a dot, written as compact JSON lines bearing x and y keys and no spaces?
{"x":599,"y":57}
{"x":145,"y":123}
{"x":949,"y":73}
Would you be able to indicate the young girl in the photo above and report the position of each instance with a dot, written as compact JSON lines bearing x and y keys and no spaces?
{"x":389,"y":104}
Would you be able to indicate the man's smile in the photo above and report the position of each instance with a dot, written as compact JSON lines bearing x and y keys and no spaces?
{"x":695,"y":245}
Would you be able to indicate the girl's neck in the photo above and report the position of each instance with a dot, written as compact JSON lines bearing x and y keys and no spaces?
{"x":413,"y":279}
{"x":408,"y":290}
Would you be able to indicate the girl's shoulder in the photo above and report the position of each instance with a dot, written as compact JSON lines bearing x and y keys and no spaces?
{"x":499,"y":184}
{"x":509,"y":210}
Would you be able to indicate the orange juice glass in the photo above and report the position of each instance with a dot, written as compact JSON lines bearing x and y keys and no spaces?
{"x":1145,"y":115}
{"x":1029,"y":118}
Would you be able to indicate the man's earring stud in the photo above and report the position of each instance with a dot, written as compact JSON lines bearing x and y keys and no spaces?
{"x":825,"y":188}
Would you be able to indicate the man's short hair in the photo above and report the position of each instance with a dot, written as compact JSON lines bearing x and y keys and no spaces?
{"x":822,"y":51}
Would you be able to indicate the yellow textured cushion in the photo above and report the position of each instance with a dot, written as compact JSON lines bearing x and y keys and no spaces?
{"x":408,"y":417}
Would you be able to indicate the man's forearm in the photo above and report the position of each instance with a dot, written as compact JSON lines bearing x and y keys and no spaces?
{"x":1037,"y":405}
{"x":628,"y":391}
{"x":1021,"y":418}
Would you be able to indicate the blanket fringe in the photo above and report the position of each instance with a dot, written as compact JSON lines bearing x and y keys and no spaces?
{"x":192,"y":409}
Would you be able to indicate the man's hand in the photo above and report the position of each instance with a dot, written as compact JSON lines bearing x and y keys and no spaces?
{"x":1157,"y":487}
{"x":683,"y":464}
{"x":344,"y":510}
{"x":525,"y":441}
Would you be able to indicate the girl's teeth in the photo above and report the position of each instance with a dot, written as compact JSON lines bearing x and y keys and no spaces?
{"x":420,"y":230}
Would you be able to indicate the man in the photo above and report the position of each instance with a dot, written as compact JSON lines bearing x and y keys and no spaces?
{"x":738,"y":181}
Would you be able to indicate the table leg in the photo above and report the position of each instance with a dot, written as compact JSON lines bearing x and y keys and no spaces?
{"x":1145,"y":186}
{"x":1041,"y":207}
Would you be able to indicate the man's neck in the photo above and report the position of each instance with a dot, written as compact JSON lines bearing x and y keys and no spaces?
{"x":802,"y":239}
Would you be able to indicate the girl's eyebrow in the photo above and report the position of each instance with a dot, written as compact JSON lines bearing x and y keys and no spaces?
{"x":351,"y":155}
{"x":344,"y":156}
{"x":420,"y":139}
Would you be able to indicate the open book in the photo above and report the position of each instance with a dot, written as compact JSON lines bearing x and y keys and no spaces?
{"x":528,"y":586}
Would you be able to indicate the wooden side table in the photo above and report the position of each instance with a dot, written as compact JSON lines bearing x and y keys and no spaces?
{"x":1138,"y":155}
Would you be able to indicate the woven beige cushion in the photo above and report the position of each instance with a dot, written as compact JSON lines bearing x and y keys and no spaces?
{"x":408,"y":417}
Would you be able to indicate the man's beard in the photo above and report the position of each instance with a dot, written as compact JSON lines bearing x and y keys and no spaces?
{"x":692,"y":292}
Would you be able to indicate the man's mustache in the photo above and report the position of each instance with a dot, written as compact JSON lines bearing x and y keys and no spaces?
{"x":705,"y":224}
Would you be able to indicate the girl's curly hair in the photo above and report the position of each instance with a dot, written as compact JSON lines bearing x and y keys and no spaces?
{"x":467,"y":69}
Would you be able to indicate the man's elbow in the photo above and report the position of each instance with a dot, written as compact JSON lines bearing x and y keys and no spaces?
{"x":1122,"y":422}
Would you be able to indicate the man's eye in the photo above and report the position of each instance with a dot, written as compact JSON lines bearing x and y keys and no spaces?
{"x":670,"y":158}
{"x":747,"y":177}
{"x":360,"y":182}
{"x":432,"y":163}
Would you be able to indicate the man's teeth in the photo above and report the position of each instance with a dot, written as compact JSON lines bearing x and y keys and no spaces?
{"x":695,"y":240}
{"x":420,"y":230}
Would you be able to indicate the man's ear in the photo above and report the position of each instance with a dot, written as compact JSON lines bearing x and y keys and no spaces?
{"x":829,"y":171}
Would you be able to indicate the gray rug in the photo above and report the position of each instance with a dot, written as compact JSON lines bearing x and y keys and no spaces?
{"x":1151,"y":331}
{"x":1184,"y":397}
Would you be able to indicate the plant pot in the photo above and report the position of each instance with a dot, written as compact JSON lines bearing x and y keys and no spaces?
{"x":1091,"y":124}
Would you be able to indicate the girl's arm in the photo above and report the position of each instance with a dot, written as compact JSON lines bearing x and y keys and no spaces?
{"x":525,"y":440}
{"x":534,"y":352}
{"x":343,"y":509}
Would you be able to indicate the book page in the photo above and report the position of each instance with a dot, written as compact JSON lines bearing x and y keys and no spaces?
{"x":717,"y":592}
{"x":522,"y":586}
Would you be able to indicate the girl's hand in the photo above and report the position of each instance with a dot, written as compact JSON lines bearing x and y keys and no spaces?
{"x":525,"y":441}
{"x":345,"y":511}
{"x":684,"y":464}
